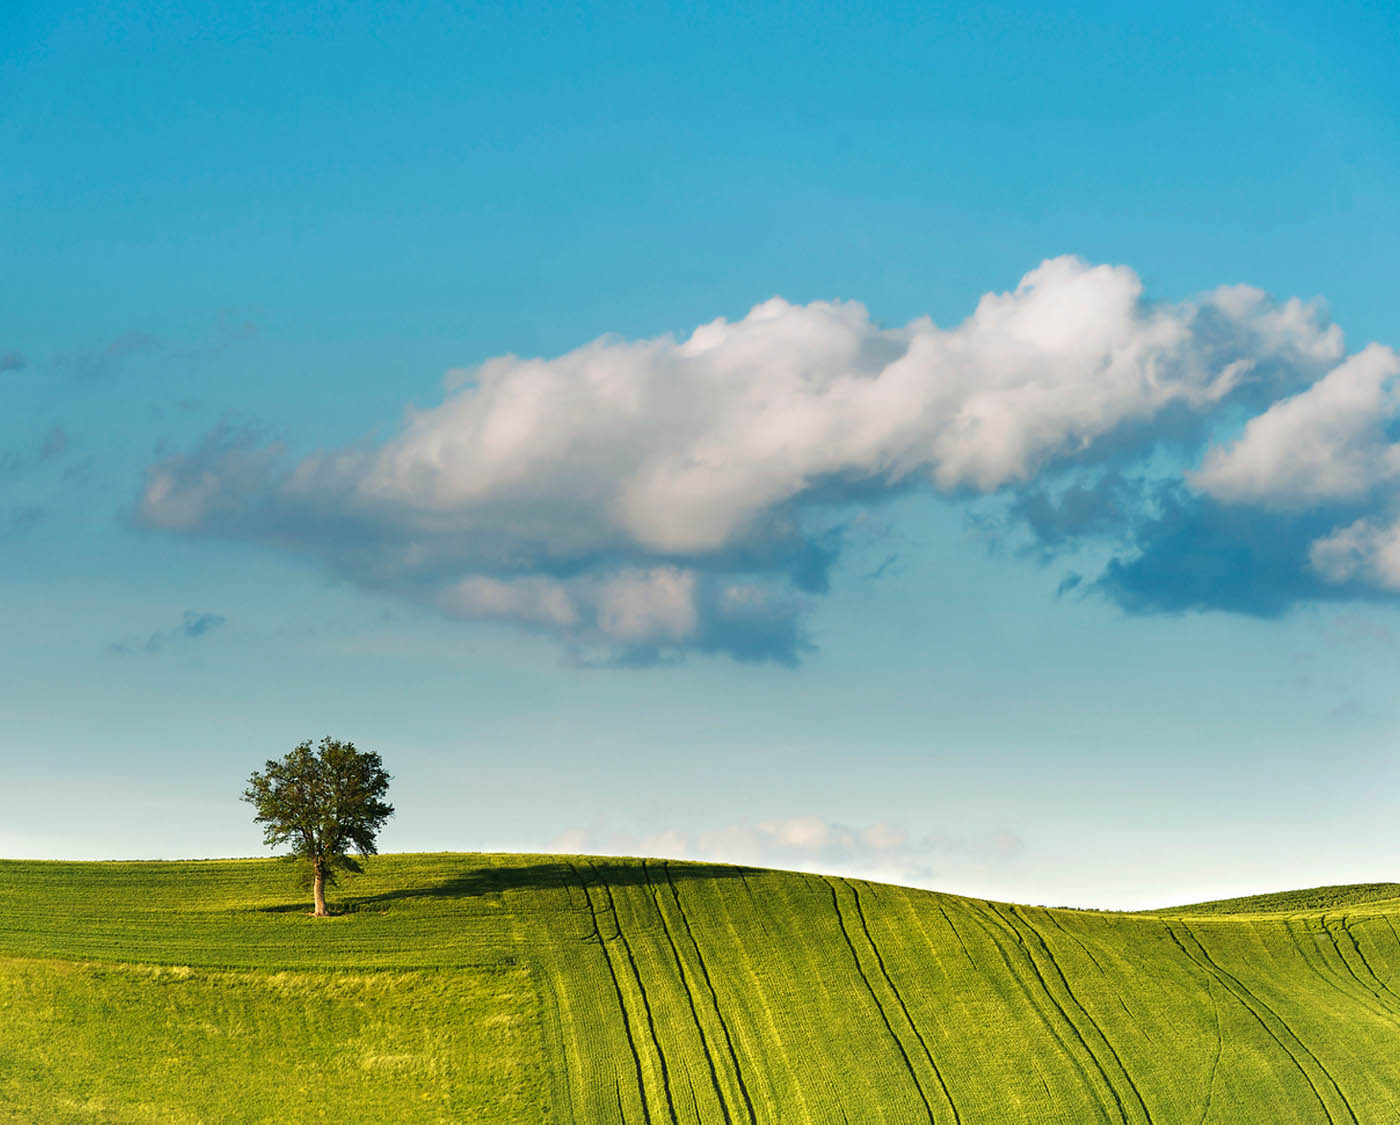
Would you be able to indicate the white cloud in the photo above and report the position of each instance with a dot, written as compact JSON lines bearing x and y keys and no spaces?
{"x":667,"y":494}
{"x":808,"y":843}
{"x":1324,"y":444}
{"x":682,"y":448}
{"x":535,"y":601}
{"x":632,"y":607}
{"x":638,"y":606}
{"x":1364,"y":552}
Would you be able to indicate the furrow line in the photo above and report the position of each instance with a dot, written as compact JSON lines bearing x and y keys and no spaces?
{"x":1036,"y":1006}
{"x":1239,"y":992}
{"x":695,"y":1101}
{"x":1308,"y":960}
{"x":874,"y":996}
{"x":880,"y":961}
{"x":955,"y":932}
{"x":714,"y":997}
{"x":1377,"y":1000}
{"x":762,"y":921}
{"x":1351,"y":970}
{"x":1282,"y":1023}
{"x":1074,"y":1027}
{"x":622,"y":1007}
{"x":1380,"y":1003}
{"x":689,"y":997}
{"x":1371,"y":972}
{"x":1074,"y":938}
{"x":1217,"y":974}
{"x":1369,"y":997}
{"x":1393,"y":933}
{"x":1089,"y":953}
{"x":642,"y":991}
{"x":1064,"y":983}
{"x":1219,"y":1049}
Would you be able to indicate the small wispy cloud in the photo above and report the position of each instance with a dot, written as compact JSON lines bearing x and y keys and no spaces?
{"x":192,"y":627}
{"x":1346,"y":710}
{"x":51,"y":446}
{"x":99,"y":362}
{"x":885,"y":564}
{"x":21,"y":519}
{"x":55,"y":443}
{"x":1068,"y":584}
{"x":114,"y":355}
{"x":808,"y":843}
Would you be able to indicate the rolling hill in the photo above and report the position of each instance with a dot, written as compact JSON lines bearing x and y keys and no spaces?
{"x":577,"y":989}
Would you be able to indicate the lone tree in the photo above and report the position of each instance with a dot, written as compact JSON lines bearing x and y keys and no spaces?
{"x":324,"y":803}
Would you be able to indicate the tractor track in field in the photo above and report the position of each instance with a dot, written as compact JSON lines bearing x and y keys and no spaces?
{"x":1386,"y":1010}
{"x":880,"y":961}
{"x":1361,"y":955}
{"x":1327,"y":972}
{"x":1394,"y":932}
{"x":1322,"y":966}
{"x":1257,"y":999}
{"x":1219,"y":1048}
{"x":1010,"y":924}
{"x":957,"y":935}
{"x":714,"y":997}
{"x":617,"y":1089}
{"x":689,"y":999}
{"x":642,"y":991}
{"x":1239,"y":992}
{"x":1253,"y":1005}
{"x":1314,"y":956}
{"x":470,"y":986}
{"x":1367,"y":986}
{"x":1066,"y":1050}
{"x":918,"y":923}
{"x":1089,"y":953}
{"x":621,"y":1004}
{"x":695,"y":1101}
{"x":1017,"y":912}
{"x":757,"y":900}
{"x":875,"y":998}
{"x":1079,"y":1004}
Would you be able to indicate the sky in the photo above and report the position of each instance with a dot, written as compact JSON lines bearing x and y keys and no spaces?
{"x":957,"y":445}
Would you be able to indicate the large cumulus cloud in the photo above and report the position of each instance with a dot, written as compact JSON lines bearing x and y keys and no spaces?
{"x":642,"y":498}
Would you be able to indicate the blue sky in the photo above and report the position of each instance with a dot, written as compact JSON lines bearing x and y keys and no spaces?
{"x":351,"y":385}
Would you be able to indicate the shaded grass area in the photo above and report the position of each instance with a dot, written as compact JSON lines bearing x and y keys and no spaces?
{"x":580,"y":989}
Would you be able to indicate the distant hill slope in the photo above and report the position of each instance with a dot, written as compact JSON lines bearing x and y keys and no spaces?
{"x":577,"y":989}
{"x":1293,"y":902}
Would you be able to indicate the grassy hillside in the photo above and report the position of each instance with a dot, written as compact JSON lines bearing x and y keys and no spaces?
{"x":1313,"y":899}
{"x":569,"y":989}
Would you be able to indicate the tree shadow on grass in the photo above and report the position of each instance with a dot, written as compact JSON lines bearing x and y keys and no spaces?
{"x":474,"y":881}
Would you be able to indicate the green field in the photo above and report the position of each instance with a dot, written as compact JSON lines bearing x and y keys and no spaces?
{"x":574,"y":989}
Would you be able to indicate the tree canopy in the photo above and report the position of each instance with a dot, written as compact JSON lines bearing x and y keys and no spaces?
{"x":322,"y":804}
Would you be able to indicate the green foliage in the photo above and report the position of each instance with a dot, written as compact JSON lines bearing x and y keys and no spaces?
{"x":322,"y":804}
{"x":570,"y":989}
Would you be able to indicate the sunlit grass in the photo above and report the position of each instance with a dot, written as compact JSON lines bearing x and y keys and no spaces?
{"x":570,"y":989}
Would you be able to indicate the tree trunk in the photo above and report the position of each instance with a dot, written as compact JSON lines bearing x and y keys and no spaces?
{"x":318,"y":886}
